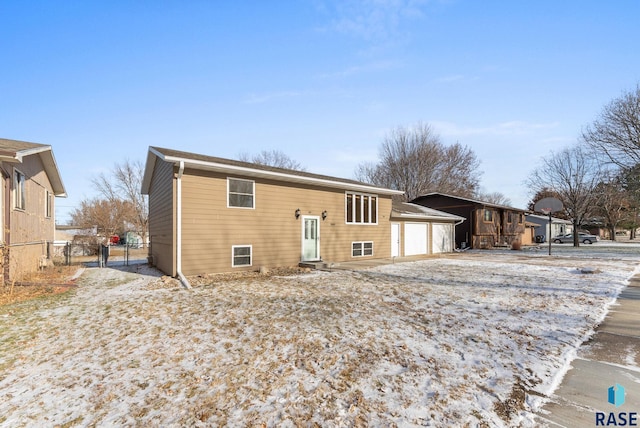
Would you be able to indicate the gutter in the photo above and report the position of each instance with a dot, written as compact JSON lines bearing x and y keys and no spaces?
{"x":183,"y":279}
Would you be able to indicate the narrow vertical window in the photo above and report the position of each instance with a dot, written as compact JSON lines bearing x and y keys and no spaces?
{"x":19,"y":190}
{"x":349,"y":208}
{"x":48,"y":207}
{"x":366,"y":210}
{"x":374,"y":209}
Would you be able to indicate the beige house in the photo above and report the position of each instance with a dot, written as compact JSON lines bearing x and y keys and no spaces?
{"x":31,"y":181}
{"x":208,"y":215}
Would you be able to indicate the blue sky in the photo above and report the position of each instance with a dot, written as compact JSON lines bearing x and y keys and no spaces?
{"x":322,"y":81}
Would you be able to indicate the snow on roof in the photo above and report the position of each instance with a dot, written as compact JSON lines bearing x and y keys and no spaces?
{"x":407,"y":209}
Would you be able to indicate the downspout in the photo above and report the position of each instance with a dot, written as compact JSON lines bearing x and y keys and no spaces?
{"x":182,"y":278}
{"x":454,"y":230}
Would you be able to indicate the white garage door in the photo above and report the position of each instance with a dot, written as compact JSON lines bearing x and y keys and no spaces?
{"x":415,"y":239}
{"x":442,"y":238}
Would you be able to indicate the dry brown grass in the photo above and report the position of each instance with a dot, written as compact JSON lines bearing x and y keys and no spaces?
{"x":46,"y":282}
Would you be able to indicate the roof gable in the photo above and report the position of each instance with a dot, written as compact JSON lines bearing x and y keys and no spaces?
{"x":15,"y":151}
{"x":211,"y":163}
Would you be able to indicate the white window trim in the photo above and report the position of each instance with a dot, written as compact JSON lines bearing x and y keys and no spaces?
{"x":23,"y":190}
{"x":367,"y":195}
{"x":253,"y":183}
{"x":48,"y":204}
{"x":233,"y":258}
{"x":361,"y":243}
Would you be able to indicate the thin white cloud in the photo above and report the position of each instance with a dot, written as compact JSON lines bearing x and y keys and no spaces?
{"x":372,"y":20}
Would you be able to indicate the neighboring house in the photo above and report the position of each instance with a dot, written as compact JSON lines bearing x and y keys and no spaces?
{"x":487,"y":225}
{"x":558,"y":226}
{"x":27,"y":206}
{"x":417,"y":230}
{"x":529,"y":235}
{"x":75,"y":241}
{"x":208,"y":214}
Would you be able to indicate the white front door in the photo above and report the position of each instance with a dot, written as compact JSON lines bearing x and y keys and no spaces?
{"x":310,"y":238}
{"x":395,"y":239}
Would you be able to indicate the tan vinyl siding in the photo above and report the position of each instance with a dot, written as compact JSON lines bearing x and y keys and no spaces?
{"x":30,"y":230}
{"x":161,"y":217}
{"x":210,"y":229}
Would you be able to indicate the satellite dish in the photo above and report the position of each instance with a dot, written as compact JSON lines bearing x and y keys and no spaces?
{"x":548,"y":205}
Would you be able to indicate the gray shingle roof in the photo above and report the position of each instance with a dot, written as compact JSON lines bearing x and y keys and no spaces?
{"x":206,"y":162}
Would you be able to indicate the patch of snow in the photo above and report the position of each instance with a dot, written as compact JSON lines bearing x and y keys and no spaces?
{"x":473,"y":338}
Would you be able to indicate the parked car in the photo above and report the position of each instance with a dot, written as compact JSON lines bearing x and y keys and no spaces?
{"x":585,"y":238}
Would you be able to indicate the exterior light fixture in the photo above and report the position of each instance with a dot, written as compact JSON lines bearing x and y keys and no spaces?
{"x":298,"y":213}
{"x":324,"y":214}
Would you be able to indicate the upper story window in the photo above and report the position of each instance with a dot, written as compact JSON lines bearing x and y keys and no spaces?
{"x":488,"y":215}
{"x":509,"y":217}
{"x":361,"y":208}
{"x":19,"y":197}
{"x":240,"y":193}
{"x":48,"y":204}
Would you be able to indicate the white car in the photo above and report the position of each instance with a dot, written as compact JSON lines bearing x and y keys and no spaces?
{"x":585,"y":238}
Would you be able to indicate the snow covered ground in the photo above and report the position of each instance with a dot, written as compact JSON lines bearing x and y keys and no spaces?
{"x":476,"y":339}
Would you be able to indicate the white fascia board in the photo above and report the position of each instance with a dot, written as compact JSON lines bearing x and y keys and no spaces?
{"x":27,"y":152}
{"x":428,"y":217}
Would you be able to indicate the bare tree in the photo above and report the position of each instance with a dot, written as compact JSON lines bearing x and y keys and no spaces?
{"x":496,"y":198}
{"x":274,"y":158}
{"x":545,"y":192}
{"x":572,"y":175}
{"x":612,"y":201}
{"x":616,"y":132}
{"x":631,"y":183}
{"x":108,"y":215}
{"x":415,"y":160}
{"x":124,"y":184}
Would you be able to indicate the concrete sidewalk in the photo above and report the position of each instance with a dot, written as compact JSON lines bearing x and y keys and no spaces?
{"x":611,"y":356}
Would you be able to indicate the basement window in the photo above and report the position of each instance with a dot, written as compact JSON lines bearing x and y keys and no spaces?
{"x":241,"y":255}
{"x":360,"y":249}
